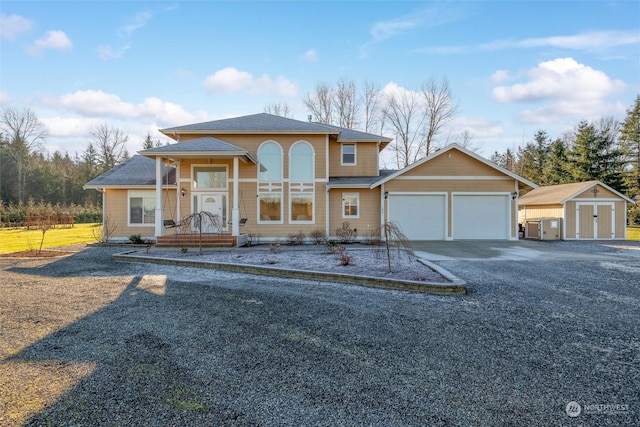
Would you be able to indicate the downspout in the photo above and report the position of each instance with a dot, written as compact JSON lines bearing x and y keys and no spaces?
{"x":326,"y":177}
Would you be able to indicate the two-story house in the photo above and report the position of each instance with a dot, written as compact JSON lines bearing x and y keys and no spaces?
{"x":274,"y":176}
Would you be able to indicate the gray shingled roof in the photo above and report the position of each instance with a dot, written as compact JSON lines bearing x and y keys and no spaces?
{"x":135,"y":171}
{"x":205,"y":144}
{"x":357,"y":181}
{"x":554,"y":194}
{"x":269,"y":123}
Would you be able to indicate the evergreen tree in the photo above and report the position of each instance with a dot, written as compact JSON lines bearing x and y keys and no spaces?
{"x":556,"y":168}
{"x":596,"y":156}
{"x":630,"y":146}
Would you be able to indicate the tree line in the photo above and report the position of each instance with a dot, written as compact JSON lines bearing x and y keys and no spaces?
{"x":32,"y":180}
{"x":604,"y":150}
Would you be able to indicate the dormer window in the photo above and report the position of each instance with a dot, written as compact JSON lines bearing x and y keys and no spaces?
{"x":348,"y":154}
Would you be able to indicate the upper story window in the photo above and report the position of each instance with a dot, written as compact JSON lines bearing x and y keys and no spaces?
{"x":210,"y":177}
{"x":348,"y":154}
{"x":301,"y":185}
{"x":301,"y":166}
{"x":270,"y":162}
{"x":270,"y":183}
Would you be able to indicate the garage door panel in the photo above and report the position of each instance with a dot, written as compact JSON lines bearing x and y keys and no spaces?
{"x":421,"y":217}
{"x":481,"y":216}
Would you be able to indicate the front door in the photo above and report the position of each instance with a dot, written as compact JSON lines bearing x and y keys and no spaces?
{"x":212,"y":207}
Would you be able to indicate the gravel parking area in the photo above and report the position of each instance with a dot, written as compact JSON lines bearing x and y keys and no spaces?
{"x":90,"y":341}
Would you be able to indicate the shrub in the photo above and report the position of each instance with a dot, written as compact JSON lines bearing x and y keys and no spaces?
{"x":345,"y":258}
{"x":346,"y":233}
{"x":296,"y":238}
{"x":318,"y":235}
{"x":136,"y":239}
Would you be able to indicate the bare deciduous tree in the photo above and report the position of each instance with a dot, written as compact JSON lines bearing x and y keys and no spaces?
{"x":371,"y":107}
{"x":279,"y":109}
{"x":110,"y":145}
{"x":25,"y":134}
{"x":440,"y":108}
{"x":346,"y":105}
{"x":320,"y":103}
{"x":404,"y":111}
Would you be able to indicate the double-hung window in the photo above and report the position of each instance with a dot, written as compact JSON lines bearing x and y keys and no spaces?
{"x":142,"y":207}
{"x":348,"y":154}
{"x":350,"y":205}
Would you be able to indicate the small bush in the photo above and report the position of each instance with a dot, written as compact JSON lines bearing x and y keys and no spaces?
{"x":345,"y":258}
{"x":346,"y":233}
{"x":136,"y":239}
{"x":274,"y":247}
{"x":296,"y":238}
{"x":318,"y":235}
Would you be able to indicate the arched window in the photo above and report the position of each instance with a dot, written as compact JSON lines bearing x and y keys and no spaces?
{"x":301,"y":182}
{"x":270,"y":182}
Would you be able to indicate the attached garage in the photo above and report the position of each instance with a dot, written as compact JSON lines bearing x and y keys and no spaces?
{"x":589,"y":210}
{"x":481,"y":216}
{"x":453,"y":194}
{"x":421,"y":216}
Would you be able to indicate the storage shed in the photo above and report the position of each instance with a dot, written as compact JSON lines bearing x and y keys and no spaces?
{"x":589,"y":210}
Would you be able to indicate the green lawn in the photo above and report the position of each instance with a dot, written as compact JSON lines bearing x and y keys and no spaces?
{"x":633,"y":233}
{"x":19,"y":239}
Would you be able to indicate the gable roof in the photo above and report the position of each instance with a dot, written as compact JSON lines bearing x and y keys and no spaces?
{"x":135,"y":171}
{"x":463,"y":150}
{"x":271,"y":124}
{"x":357,"y":181}
{"x":206,"y":146}
{"x":561,"y":193}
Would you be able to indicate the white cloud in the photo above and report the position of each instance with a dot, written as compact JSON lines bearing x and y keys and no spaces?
{"x":97,"y":103}
{"x":310,"y":56}
{"x":561,"y":78}
{"x":70,"y":126}
{"x":12,"y":25}
{"x":501,"y":76}
{"x":229,"y":80}
{"x":567,"y":87}
{"x":139,"y":20}
{"x":4,"y":97}
{"x":477,"y":127}
{"x":56,"y":40}
{"x":588,"y":41}
{"x":107,"y":52}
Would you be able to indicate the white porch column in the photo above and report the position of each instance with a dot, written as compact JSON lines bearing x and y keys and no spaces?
{"x":235,"y":214}
{"x":178,"y":211}
{"x":158,"y":196}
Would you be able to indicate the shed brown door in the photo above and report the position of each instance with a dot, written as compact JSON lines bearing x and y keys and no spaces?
{"x":595,"y":220}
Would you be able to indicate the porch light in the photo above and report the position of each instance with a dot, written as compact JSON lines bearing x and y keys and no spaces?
{"x":386,"y":195}
{"x":183,"y":192}
{"x":514,"y":195}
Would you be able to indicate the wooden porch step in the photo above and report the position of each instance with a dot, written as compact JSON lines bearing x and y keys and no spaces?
{"x":195,"y":240}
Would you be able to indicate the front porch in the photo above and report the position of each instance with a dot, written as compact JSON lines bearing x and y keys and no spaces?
{"x":205,"y":240}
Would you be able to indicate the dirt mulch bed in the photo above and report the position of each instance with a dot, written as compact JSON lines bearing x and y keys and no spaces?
{"x":33,"y":253}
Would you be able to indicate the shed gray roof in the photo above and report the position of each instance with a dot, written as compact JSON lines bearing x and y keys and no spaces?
{"x":269,"y":123}
{"x":561,"y":193}
{"x":135,"y":171}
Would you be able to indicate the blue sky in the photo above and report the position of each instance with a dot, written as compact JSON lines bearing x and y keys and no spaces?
{"x":513,"y":66}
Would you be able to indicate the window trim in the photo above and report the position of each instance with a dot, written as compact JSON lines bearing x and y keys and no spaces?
{"x":304,"y":188}
{"x":355,"y":154}
{"x":151,"y":195}
{"x":270,"y":187}
{"x":344,"y":197}
{"x":209,"y":189}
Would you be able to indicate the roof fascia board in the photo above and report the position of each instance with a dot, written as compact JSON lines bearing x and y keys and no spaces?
{"x":593,"y":184}
{"x":463,"y":150}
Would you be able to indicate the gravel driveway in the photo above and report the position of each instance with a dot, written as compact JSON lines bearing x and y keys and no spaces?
{"x":89,"y":341}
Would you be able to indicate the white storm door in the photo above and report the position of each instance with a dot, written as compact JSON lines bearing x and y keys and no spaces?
{"x":211,"y":203}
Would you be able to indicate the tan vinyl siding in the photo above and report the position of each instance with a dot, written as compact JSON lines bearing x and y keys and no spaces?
{"x":539,"y":211}
{"x":453,"y":163}
{"x":366,"y":160}
{"x":602,"y":193}
{"x":118,"y":212}
{"x":369,"y":207}
{"x":409,"y":185}
{"x":621,"y":224}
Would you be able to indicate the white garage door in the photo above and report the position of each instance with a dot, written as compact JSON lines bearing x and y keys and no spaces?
{"x":481,"y":216}
{"x":421,"y":217}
